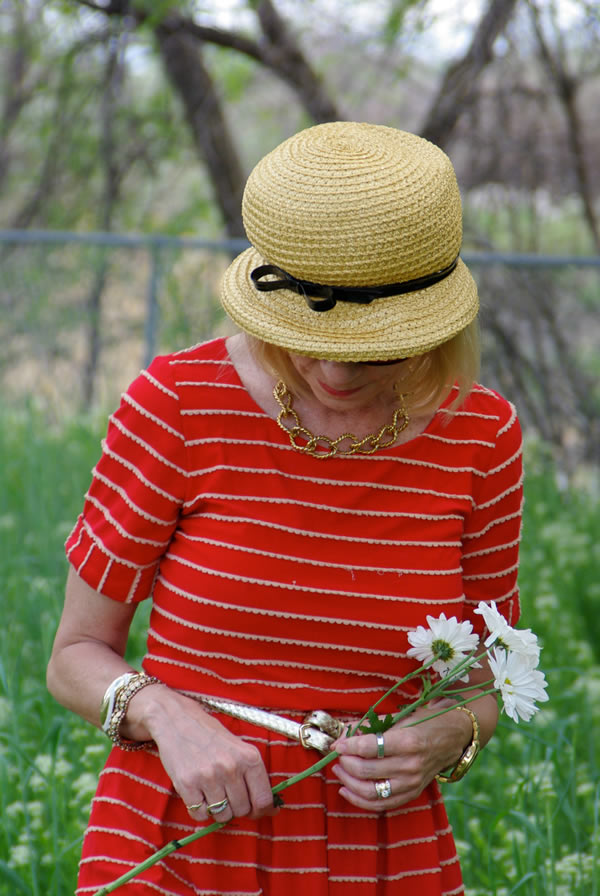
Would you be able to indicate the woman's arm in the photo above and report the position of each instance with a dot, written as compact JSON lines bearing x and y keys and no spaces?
{"x":203,"y":759}
{"x":88,"y":648}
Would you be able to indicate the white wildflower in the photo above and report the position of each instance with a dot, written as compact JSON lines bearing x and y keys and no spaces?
{"x":20,"y":855}
{"x":521,"y":641}
{"x":12,"y":810}
{"x":519,"y":684}
{"x":444,"y":645}
{"x":62,"y":768}
{"x":43,"y":762}
{"x":85,"y":785}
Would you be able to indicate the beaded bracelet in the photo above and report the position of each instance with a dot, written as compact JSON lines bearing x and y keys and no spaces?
{"x":123,"y":695}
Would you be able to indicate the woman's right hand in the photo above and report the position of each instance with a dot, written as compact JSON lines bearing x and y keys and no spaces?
{"x":205,"y":761}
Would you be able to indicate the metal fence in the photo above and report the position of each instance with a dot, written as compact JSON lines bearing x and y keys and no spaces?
{"x":80,"y":314}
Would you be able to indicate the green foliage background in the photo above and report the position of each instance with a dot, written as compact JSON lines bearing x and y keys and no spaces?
{"x":525,"y":818}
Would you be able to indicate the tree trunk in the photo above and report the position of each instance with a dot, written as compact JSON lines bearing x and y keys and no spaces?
{"x":566,"y":89}
{"x":459,"y":83}
{"x":109,"y":198}
{"x":182,"y":57}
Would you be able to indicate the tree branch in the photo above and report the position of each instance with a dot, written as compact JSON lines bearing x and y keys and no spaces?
{"x":459,"y":83}
{"x":182,"y":59}
{"x":279,"y":52}
{"x":567,"y":87}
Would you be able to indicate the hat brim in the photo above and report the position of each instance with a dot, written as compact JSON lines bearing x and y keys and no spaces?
{"x":394,"y":327}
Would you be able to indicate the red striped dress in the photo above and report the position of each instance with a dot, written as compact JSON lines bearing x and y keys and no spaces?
{"x":288,"y":582}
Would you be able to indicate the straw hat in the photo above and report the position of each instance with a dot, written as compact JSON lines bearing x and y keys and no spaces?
{"x":345,"y":219}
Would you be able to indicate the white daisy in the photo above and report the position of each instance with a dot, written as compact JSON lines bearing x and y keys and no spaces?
{"x":519,"y":684}
{"x":444,"y":645}
{"x":521,"y":641}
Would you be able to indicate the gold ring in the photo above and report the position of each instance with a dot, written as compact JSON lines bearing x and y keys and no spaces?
{"x":215,"y":808}
{"x":193,"y":807}
{"x":380,"y":746}
{"x":383,"y":789}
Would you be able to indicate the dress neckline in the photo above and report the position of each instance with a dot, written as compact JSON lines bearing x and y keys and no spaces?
{"x":429,"y":429}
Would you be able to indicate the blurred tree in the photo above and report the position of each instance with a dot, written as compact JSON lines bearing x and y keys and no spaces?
{"x":146,"y":114}
{"x":568,"y":85}
{"x":180,"y":40}
{"x":458,"y":86}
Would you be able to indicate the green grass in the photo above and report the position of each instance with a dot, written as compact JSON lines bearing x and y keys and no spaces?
{"x":525,"y":818}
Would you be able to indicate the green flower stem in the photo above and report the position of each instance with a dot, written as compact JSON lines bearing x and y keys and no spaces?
{"x":446,"y":709}
{"x":306,"y":773}
{"x":157,"y":856}
{"x":471,"y":687}
{"x":173,"y":845}
{"x":391,"y":690}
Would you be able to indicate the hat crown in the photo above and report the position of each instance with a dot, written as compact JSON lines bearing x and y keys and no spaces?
{"x":352,"y":204}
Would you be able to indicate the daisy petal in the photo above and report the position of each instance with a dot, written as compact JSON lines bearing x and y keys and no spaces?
{"x":519,"y":684}
{"x":521,"y":641}
{"x":444,"y":645}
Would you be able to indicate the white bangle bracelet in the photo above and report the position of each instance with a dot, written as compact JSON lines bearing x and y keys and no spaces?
{"x":123,"y":695}
{"x":107,"y":706}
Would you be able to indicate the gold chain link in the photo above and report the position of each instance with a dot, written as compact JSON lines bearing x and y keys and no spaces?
{"x":323,"y":446}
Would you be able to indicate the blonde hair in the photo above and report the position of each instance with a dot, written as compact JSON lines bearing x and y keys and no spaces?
{"x":425,"y":381}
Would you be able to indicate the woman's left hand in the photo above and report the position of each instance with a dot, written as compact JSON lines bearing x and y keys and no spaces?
{"x":412,"y":757}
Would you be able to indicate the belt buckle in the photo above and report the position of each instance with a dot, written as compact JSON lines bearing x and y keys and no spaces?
{"x":321,"y":721}
{"x":304,"y":733}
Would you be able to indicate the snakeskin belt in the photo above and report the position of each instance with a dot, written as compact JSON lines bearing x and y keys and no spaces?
{"x":317,"y":732}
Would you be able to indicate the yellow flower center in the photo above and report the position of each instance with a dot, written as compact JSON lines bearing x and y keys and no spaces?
{"x":442,"y":650}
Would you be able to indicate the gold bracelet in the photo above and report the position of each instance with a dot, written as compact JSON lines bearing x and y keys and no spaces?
{"x":123,"y":695}
{"x":469,"y":755}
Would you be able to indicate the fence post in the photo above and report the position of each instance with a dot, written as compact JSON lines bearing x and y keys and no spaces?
{"x":152,"y":306}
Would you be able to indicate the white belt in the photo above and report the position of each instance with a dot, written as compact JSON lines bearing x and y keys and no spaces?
{"x":318,"y":730}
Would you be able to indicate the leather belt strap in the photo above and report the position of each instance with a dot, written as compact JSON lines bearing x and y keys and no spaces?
{"x":317,"y":732}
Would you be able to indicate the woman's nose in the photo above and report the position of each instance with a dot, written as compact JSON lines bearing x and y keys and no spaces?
{"x":338,"y":371}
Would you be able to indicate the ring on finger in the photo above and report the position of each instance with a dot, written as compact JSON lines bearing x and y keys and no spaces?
{"x":380,"y":745}
{"x":383,"y":789}
{"x":193,"y":807}
{"x":216,"y":808}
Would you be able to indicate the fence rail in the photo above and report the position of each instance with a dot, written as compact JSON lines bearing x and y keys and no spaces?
{"x":82,"y":312}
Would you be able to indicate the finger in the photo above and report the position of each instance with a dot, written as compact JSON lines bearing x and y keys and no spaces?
{"x":198,"y":809}
{"x":238,"y":799}
{"x":369,"y":805}
{"x":370,"y":769}
{"x":360,"y":787}
{"x":219,"y":808}
{"x":259,"y":791}
{"x":364,"y":795}
{"x":362,"y":745}
{"x":365,"y":746}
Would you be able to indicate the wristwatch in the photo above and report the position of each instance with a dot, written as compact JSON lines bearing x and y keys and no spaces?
{"x":468,"y":757}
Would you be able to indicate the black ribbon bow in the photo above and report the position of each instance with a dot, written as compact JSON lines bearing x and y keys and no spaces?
{"x":320,"y":297}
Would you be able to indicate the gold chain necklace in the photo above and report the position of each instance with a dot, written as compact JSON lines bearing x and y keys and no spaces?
{"x":323,"y":446}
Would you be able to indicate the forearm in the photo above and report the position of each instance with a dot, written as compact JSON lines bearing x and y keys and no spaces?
{"x":445,"y":732}
{"x":451,"y":732}
{"x":88,"y":655}
{"x":78,"y":675}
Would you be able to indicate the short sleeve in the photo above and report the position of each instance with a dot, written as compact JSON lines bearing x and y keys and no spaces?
{"x":493,"y":530}
{"x":138,"y":488}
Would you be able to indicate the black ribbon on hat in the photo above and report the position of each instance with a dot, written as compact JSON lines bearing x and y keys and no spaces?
{"x":319,"y":297}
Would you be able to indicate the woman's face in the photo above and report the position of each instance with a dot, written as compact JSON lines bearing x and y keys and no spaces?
{"x":350,"y":386}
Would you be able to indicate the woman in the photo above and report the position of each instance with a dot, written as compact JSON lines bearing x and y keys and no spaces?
{"x":295,"y":499}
